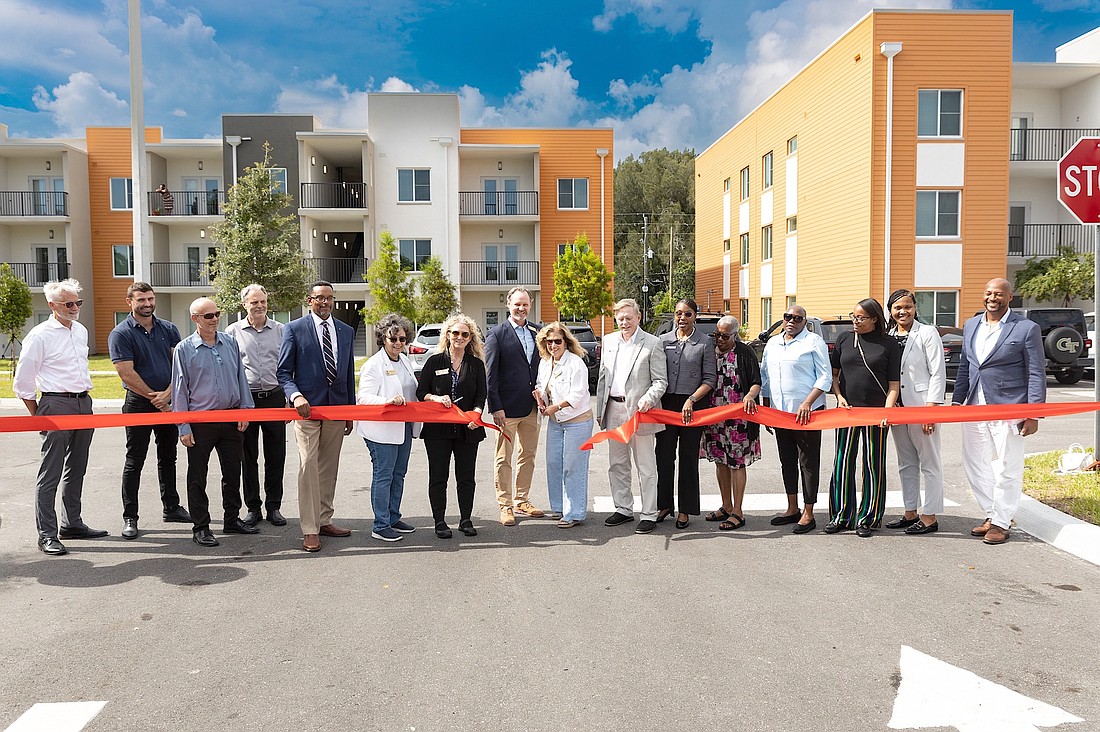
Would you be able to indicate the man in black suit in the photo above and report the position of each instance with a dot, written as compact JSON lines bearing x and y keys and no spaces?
{"x":512,"y":363}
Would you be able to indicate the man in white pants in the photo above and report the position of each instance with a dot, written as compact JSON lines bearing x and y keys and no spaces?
{"x":1002,"y":363}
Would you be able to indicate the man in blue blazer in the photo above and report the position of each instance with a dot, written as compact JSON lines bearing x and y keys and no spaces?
{"x":512,"y":366}
{"x":316,"y":369}
{"x":1002,"y":363}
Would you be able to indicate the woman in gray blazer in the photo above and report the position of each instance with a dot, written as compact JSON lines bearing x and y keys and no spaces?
{"x":923,"y":381}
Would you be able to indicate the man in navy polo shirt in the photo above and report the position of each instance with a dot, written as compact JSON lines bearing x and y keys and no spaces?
{"x":141,"y":350}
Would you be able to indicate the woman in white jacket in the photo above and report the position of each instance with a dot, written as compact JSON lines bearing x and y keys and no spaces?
{"x":923,"y":381}
{"x":562,"y":395}
{"x":387,"y":378}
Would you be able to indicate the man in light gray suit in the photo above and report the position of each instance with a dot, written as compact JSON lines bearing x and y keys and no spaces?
{"x":633,"y":377}
{"x":1002,"y":363}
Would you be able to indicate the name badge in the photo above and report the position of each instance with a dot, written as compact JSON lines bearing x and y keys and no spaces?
{"x":442,"y":372}
{"x":670,"y":348}
{"x":390,"y":372}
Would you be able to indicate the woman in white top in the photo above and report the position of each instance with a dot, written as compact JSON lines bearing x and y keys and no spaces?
{"x":562,"y":395}
{"x":387,"y":378}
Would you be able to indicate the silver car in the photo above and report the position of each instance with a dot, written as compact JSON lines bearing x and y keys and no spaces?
{"x":427,"y":338}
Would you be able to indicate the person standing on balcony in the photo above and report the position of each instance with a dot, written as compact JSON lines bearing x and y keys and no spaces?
{"x":259,"y":338}
{"x":141,"y":349}
{"x":167,"y":201}
{"x":512,"y":363}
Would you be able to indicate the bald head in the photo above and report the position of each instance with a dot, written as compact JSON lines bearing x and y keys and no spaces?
{"x":1000,"y":284}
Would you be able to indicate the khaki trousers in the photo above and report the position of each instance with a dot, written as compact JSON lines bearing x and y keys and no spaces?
{"x":319,"y":443}
{"x":525,"y":432}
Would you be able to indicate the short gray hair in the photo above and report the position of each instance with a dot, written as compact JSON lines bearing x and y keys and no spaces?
{"x":517,"y":290}
{"x":391,"y":323}
{"x":730,"y":322}
{"x":193,"y":308}
{"x":249,"y":288}
{"x":53,"y":289}
{"x":627,"y":302}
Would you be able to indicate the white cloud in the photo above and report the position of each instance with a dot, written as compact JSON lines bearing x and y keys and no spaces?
{"x":393,"y":84}
{"x":547,"y":97}
{"x":81,"y":102}
{"x":671,"y":16}
{"x":329,"y":100}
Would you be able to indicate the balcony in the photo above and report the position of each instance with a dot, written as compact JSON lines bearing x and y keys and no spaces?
{"x":1044,"y":145}
{"x":37,"y":274}
{"x":499,"y":203}
{"x":179,"y":274}
{"x":34,"y":203}
{"x":338,"y":269}
{"x":187,"y":203}
{"x":334,"y":195}
{"x":1044,"y":240}
{"x":507,"y":274}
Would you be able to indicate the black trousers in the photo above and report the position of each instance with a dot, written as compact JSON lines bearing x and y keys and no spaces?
{"x":274,"y":456}
{"x":137,"y":448}
{"x":800,"y":455}
{"x":439,"y":464}
{"x":226,"y":440}
{"x":678,"y":443}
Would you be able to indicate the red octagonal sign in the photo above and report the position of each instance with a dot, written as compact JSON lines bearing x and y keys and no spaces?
{"x":1079,"y":180}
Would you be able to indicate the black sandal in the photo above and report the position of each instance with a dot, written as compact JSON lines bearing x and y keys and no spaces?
{"x":719,"y":515}
{"x":734,"y":522}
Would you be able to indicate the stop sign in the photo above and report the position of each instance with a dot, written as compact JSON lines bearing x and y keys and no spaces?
{"x":1079,"y":180}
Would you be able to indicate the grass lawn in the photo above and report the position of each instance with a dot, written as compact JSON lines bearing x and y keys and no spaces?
{"x":103,"y":387}
{"x":1077,"y":495}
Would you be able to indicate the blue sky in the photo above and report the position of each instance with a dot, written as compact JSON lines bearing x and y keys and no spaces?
{"x":673,"y":73}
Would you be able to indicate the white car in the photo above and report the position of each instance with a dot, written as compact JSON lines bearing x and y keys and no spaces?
{"x":427,"y":338}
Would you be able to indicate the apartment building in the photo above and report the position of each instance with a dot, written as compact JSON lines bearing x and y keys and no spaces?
{"x":884,"y":163}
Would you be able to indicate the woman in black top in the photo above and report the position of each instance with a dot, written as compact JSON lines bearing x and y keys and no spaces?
{"x":866,"y":373}
{"x":454,"y":374}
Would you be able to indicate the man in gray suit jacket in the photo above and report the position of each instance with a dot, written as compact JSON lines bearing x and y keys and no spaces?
{"x":633,"y":377}
{"x":1002,"y":363}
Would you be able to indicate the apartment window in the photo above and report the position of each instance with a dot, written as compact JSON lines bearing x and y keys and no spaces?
{"x":938,"y":213}
{"x":572,"y":193}
{"x":938,"y":307}
{"x":277,"y":175}
{"x":119,"y":317}
{"x":123,"y":260}
{"x":725,"y":245}
{"x":791,"y":300}
{"x":744,"y":312}
{"x":726,"y":185}
{"x":744,"y":249}
{"x":939,"y":113}
{"x":765,"y":312}
{"x":414,"y":185}
{"x":414,"y":253}
{"x":745,"y":183}
{"x":792,"y":146}
{"x":725,"y":306}
{"x":766,"y":164}
{"x":766,"y":243}
{"x":792,"y":225}
{"x":122,"y":194}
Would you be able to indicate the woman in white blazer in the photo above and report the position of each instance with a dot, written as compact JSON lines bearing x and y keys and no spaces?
{"x":561,"y":392}
{"x":923,"y":381}
{"x":387,"y":378}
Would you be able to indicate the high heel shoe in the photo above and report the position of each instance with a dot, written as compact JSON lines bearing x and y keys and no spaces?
{"x":663,"y":514}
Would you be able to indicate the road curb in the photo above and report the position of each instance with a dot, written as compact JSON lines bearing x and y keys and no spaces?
{"x":1071,"y":535}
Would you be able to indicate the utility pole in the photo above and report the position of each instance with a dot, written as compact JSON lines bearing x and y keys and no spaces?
{"x":645,"y":266}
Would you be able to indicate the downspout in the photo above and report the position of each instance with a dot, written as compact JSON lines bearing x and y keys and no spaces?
{"x":139,"y":166}
{"x":602,"y":152}
{"x":889,"y":50}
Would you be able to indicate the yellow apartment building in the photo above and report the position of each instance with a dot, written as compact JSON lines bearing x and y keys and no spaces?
{"x":884,"y":163}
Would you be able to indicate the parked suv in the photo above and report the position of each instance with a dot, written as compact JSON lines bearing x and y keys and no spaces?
{"x":427,"y":338}
{"x":1065,"y":341}
{"x":590,"y":342}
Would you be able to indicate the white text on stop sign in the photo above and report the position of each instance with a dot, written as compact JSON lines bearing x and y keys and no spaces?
{"x":1074,"y":174}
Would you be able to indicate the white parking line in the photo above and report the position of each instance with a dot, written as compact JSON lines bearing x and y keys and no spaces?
{"x":57,"y":717}
{"x":753,"y":502}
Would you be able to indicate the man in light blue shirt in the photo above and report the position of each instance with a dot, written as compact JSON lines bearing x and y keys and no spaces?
{"x":207,"y":373}
{"x":795,"y":375}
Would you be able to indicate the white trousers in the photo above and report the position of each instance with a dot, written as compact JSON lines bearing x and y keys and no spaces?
{"x":642,"y":450}
{"x":919,"y":454}
{"x":993,"y":458}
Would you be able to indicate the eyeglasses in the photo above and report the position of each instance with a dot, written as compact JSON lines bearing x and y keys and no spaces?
{"x":322,"y":298}
{"x":72,"y":304}
{"x":720,"y":334}
{"x":460,"y":334}
{"x":793,"y":318}
{"x":554,"y":341}
{"x":210,"y":316}
{"x":397,"y":339}
{"x":859,"y":318}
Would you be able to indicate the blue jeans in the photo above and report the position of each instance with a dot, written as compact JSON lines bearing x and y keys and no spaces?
{"x":390,"y":463}
{"x":567,"y":468}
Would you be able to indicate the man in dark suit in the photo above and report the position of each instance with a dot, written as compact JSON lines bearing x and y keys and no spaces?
{"x":512,"y":363}
{"x":316,"y":369}
{"x":1002,"y":363}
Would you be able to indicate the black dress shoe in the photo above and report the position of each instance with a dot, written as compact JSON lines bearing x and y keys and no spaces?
{"x":922,"y":528}
{"x":129,"y":528}
{"x":52,"y":546}
{"x":682,"y":524}
{"x":833,"y":527}
{"x":276,"y":518}
{"x":467,"y":528}
{"x":203,"y":537}
{"x":804,"y":528}
{"x":902,"y":523}
{"x":177,"y":515}
{"x":236,"y":526}
{"x":442,"y":530}
{"x":617,"y":518}
{"x":645,"y":526}
{"x":80,"y":532}
{"x":252,"y":517}
{"x":783,"y":519}
{"x":663,"y":514}
{"x":863,"y":532}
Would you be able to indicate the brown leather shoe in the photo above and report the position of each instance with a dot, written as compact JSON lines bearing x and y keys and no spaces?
{"x":311,"y":543}
{"x":507,"y":516}
{"x":334,"y":530}
{"x":996,"y":535}
{"x":981,"y":530}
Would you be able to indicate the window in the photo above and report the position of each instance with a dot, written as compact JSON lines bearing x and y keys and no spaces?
{"x":766,"y":164}
{"x":725,"y":245}
{"x":765,"y":312}
{"x":726,"y":185}
{"x":414,"y":253}
{"x":122,"y":194}
{"x":939,"y":113}
{"x":725,"y":306}
{"x":744,"y":312}
{"x":573,"y":193}
{"x":277,"y":175}
{"x":938,"y":308}
{"x":790,"y":301}
{"x":744,"y":249}
{"x":745,"y":183}
{"x":792,"y":146}
{"x":414,"y":185}
{"x":937,"y":213}
{"x":766,"y":243}
{"x":792,"y":225}
{"x":119,"y":317}
{"x":123,"y":260}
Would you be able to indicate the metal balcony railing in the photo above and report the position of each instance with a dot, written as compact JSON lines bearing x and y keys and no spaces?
{"x":500,"y":203}
{"x":187,"y":203}
{"x":334,"y":195}
{"x":37,"y":274}
{"x":1044,"y":240}
{"x":338,"y":269}
{"x":34,"y":203}
{"x":1036,"y":144}
{"x":499,"y":273}
{"x":179,"y":274}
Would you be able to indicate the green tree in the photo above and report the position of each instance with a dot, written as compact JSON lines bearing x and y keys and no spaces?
{"x":259,"y":242}
{"x":436,"y":298}
{"x":390,"y":289}
{"x":581,"y":282}
{"x":1066,"y":276}
{"x":15,"y":308}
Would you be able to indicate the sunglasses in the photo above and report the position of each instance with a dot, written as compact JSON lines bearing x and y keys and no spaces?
{"x":460,"y":334}
{"x":720,"y":334}
{"x":397,"y":339}
{"x":793,"y":318}
{"x":72,"y":303}
{"x":554,"y":341}
{"x":210,"y":316}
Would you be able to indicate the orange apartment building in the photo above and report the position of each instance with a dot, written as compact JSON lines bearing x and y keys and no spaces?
{"x":884,"y":163}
